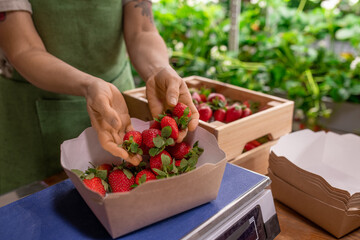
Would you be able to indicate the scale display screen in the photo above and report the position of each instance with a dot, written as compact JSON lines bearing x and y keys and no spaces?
{"x":249,"y":227}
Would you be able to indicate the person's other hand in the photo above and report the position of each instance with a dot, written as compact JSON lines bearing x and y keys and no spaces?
{"x":110,"y":118}
{"x":164,"y":90}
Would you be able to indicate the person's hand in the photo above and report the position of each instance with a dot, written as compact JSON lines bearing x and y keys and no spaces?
{"x":164,"y":90}
{"x":110,"y":118}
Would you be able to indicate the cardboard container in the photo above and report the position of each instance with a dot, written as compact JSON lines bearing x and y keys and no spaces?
{"x":121,"y":213}
{"x":317,"y":174}
{"x":274,"y":120}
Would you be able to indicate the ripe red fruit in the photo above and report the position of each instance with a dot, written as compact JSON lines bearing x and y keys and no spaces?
{"x":149,"y":175}
{"x":121,"y":180}
{"x":249,"y":146}
{"x":196,"y":98}
{"x":205,"y":112}
{"x":219,"y":115}
{"x":137,"y":138}
{"x":246,"y":112}
{"x":179,"y":110}
{"x":246,"y":103}
{"x":96,"y":185}
{"x":145,"y":149}
{"x":155,"y":125}
{"x":203,"y":97}
{"x":233,"y":113}
{"x":105,"y":166}
{"x":255,"y":143}
{"x":169,"y":121}
{"x":179,"y":150}
{"x":213,"y":97}
{"x":177,"y":163}
{"x":156,"y":162}
{"x":148,"y":135}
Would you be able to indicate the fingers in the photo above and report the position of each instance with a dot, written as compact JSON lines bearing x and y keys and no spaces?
{"x":182,"y":135}
{"x":156,"y":105}
{"x":172,"y":93}
{"x":134,"y":159}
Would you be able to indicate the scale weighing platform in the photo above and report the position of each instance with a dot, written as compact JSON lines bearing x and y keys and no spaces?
{"x":244,"y":209}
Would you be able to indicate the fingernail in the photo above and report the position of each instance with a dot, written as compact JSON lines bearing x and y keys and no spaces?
{"x":173,"y":101}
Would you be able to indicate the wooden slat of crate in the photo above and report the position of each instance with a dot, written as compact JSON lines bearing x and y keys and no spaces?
{"x":256,"y":159}
{"x":274,"y":120}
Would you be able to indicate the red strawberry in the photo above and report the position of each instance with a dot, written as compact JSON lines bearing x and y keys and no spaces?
{"x":203,"y":97}
{"x":155,"y":125}
{"x":177,"y":163}
{"x":216,"y":98}
{"x":249,"y":146}
{"x":233,"y":113}
{"x":246,"y":112}
{"x":132,"y":142}
{"x":145,"y":149}
{"x":196,"y":98}
{"x":96,"y":185}
{"x":156,"y":162}
{"x":182,"y":115}
{"x":105,"y":166}
{"x":149,"y":175}
{"x":169,"y":121}
{"x":255,"y":143}
{"x":121,"y":180}
{"x":205,"y":112}
{"x":148,"y":135}
{"x":179,"y":150}
{"x":179,"y":110}
{"x":246,"y":103}
{"x":219,"y":115}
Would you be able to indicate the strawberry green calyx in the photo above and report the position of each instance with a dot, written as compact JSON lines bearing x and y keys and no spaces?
{"x":131,"y":146}
{"x":162,"y":141}
{"x":184,"y":120}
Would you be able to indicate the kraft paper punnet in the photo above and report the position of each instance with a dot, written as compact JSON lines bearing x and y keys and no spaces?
{"x":180,"y":191}
{"x":317,"y":174}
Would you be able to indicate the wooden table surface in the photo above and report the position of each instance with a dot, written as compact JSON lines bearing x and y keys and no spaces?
{"x":293,"y":226}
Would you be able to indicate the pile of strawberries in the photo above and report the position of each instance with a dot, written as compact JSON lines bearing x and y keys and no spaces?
{"x":162,"y":156}
{"x":214,"y":106}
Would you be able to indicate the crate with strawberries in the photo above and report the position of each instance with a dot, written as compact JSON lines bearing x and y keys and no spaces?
{"x":214,"y":106}
{"x":234,"y":115}
{"x":162,"y":156}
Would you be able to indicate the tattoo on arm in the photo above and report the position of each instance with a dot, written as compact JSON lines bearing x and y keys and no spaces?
{"x":145,"y":5}
{"x":2,"y":16}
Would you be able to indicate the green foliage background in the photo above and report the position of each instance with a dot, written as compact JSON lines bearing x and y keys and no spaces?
{"x":281,"y":44}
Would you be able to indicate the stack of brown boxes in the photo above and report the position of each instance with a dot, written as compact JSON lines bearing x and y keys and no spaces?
{"x":318,"y":175}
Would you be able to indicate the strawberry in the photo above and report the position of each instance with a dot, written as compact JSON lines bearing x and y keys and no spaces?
{"x":205,"y":112}
{"x":95,"y":184}
{"x":156,"y":162}
{"x":132,"y":142}
{"x":145,"y":149}
{"x":203,"y":97}
{"x":148,"y":136}
{"x":246,"y":103}
{"x":121,"y":180}
{"x":216,"y":100}
{"x":105,"y":166}
{"x":177,"y":163}
{"x":182,"y":115}
{"x":219,"y":115}
{"x":179,"y":150}
{"x":249,"y":146}
{"x":246,"y":112}
{"x":169,"y":121}
{"x":155,"y":125}
{"x":144,"y":176}
{"x":255,"y":143}
{"x":196,"y":98}
{"x":233,"y":113}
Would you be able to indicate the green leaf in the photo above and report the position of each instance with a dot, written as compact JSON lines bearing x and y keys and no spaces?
{"x":155,"y":151}
{"x":161,"y":173}
{"x":78,"y":172}
{"x":183,"y":163}
{"x":165,"y":159}
{"x":344,"y":33}
{"x":186,"y":112}
{"x":166,"y":132}
{"x":158,"y":141}
{"x":192,"y":161}
{"x":90,"y":176}
{"x":142,"y":179}
{"x":128,"y":174}
{"x":101,"y":174}
{"x":105,"y":184}
{"x":170,"y":141}
{"x":140,"y":151}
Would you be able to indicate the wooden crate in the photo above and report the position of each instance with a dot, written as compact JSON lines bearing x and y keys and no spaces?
{"x":275,"y":120}
{"x":256,"y":159}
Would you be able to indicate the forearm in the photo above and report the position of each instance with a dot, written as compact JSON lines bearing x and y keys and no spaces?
{"x":148,"y":53}
{"x":50,"y":73}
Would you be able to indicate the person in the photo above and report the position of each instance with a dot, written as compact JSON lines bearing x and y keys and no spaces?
{"x":64,"y":65}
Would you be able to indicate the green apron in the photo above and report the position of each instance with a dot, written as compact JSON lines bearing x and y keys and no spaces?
{"x":86,"y":34}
